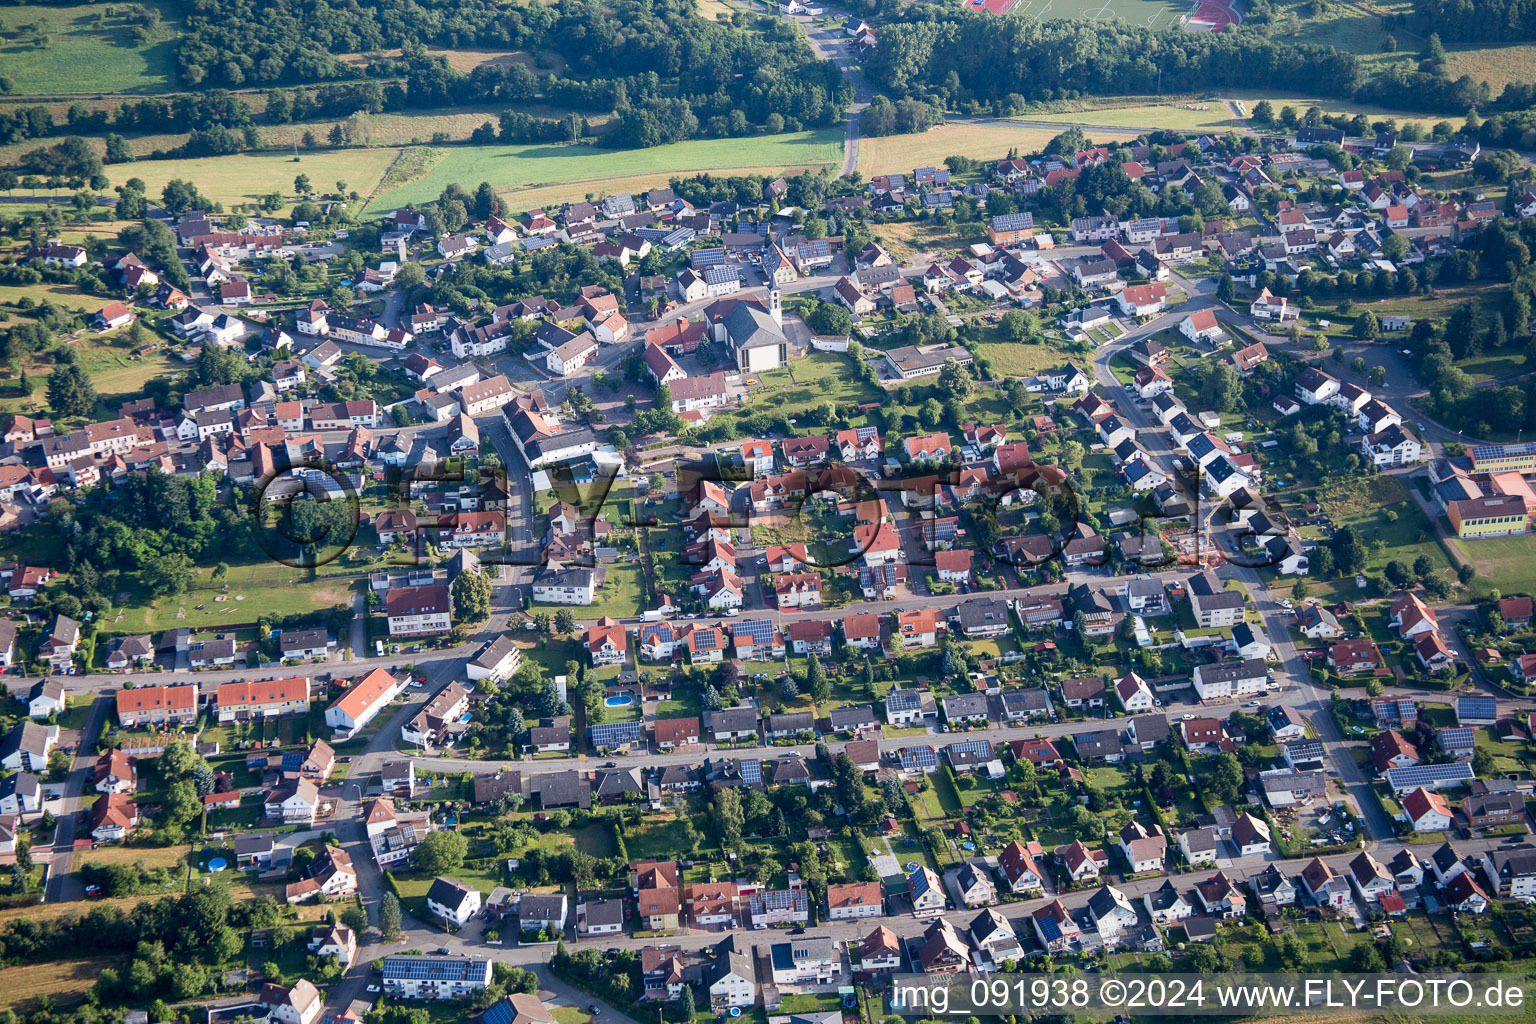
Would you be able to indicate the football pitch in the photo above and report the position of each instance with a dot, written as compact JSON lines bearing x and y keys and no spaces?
{"x":1147,"y":13}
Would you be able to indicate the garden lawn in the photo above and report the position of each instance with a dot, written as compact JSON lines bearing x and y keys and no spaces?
{"x":514,"y":169}
{"x":622,"y":597}
{"x":652,"y":839}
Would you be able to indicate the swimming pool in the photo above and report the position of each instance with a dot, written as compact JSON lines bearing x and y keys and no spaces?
{"x":623,"y":700}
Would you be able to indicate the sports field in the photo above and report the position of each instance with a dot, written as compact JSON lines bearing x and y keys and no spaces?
{"x":1152,"y":13}
{"x":519,"y":170}
{"x":81,"y":48}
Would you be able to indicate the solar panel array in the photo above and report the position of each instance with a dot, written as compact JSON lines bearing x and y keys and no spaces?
{"x":760,"y":630}
{"x":1477,"y":707}
{"x":751,"y":772}
{"x":1456,"y":736}
{"x":975,"y":748}
{"x":617,"y":734}
{"x":902,"y":700}
{"x":660,"y":630}
{"x":1428,"y":774}
{"x":432,"y":968}
{"x":1490,"y":452}
{"x":919,"y":757}
{"x":779,"y":899}
{"x":500,"y":1013}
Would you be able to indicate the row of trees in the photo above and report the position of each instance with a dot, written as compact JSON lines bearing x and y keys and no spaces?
{"x":989,"y":58}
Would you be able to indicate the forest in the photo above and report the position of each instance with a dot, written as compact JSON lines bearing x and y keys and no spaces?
{"x":959,"y":60}
{"x":1468,"y":21}
{"x":656,"y":64}
{"x":989,"y":58}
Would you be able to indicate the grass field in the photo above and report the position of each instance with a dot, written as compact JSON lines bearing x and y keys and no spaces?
{"x":88,"y":51}
{"x":982,"y":141}
{"x":245,"y":178}
{"x":255,"y":590}
{"x":1496,"y":65}
{"x":1329,"y":106}
{"x":65,"y":981}
{"x":1183,"y":115}
{"x":466,"y":60}
{"x":1021,"y":360}
{"x":1152,"y":13}
{"x":152,"y":856}
{"x":518,"y":170}
{"x":64,"y":295}
{"x":116,"y":372}
{"x":1505,"y":563}
{"x":1363,"y":503}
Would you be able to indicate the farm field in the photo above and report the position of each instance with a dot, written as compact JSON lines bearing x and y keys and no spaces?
{"x":990,"y":141}
{"x":89,"y":50}
{"x":1327,"y":106}
{"x":246,"y":178}
{"x":1216,"y":117}
{"x":1496,"y":65}
{"x":65,"y":981}
{"x":517,"y":171}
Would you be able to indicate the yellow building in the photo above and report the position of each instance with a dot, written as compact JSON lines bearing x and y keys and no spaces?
{"x":1493,"y":516}
{"x":1498,"y":458}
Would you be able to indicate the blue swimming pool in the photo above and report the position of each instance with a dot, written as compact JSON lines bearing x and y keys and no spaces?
{"x":623,"y":700}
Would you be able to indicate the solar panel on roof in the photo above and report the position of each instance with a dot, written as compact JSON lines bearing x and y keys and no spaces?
{"x":978,"y":748}
{"x":902,"y":700}
{"x":919,"y":757}
{"x":760,"y":630}
{"x":424,"y":968}
{"x":612,"y":734}
{"x":1428,"y":774}
{"x":751,"y":771}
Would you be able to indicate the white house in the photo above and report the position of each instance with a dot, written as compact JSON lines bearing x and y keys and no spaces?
{"x":453,"y":901}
